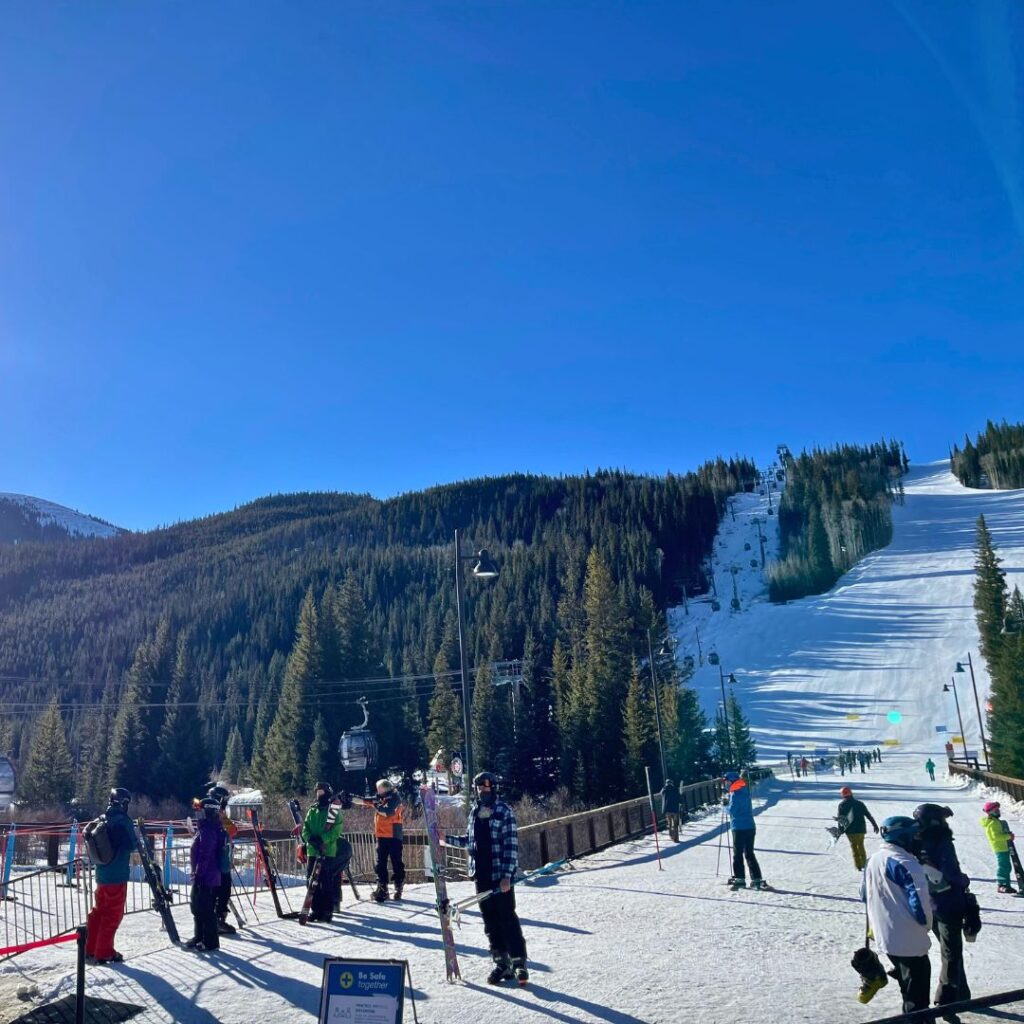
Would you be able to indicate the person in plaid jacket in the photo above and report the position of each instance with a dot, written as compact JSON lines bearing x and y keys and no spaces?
{"x":493,"y":845}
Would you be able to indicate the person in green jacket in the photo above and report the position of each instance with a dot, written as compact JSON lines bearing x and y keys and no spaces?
{"x":851,"y":815}
{"x":321,"y":829}
{"x":1000,"y":837}
{"x":929,"y":767}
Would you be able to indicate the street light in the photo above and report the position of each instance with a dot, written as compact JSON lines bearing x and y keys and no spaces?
{"x":963,"y":738}
{"x":485,"y":569}
{"x":657,"y":707}
{"x":977,"y":707}
{"x":725,"y":708}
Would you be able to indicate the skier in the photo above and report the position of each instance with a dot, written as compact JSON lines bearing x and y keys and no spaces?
{"x":741,"y":821}
{"x":205,"y":858}
{"x":670,"y":808}
{"x":929,"y":767}
{"x":322,"y":841}
{"x":493,"y":846}
{"x":851,"y":814}
{"x":948,"y":887}
{"x":219,"y":792}
{"x":899,"y":910}
{"x":111,"y":882}
{"x":387,"y":828}
{"x":1000,"y":837}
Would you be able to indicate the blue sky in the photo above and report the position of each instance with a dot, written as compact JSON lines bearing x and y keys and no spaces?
{"x":251,"y":248}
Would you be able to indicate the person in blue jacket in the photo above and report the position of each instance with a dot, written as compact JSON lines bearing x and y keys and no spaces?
{"x":111,"y":882}
{"x":737,"y":801}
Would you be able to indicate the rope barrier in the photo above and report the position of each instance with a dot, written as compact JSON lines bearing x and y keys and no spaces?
{"x":26,"y":946}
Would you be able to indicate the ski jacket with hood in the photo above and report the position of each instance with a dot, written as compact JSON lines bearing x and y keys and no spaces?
{"x":899,"y":908}
{"x":740,"y":806}
{"x":852,"y":814}
{"x":207,"y":846}
{"x":998,"y":832}
{"x":320,"y":840}
{"x":122,"y":837}
{"x":946,"y":882}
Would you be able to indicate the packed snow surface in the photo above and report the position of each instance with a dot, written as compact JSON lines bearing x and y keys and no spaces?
{"x":827,"y":671}
{"x":615,"y":940}
{"x":48,"y":513}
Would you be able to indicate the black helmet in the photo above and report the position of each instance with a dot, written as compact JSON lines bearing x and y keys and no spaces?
{"x":669,"y":782}
{"x":219,"y":792}
{"x":120,"y":797}
{"x":211,"y":808}
{"x":326,"y":787}
{"x":481,"y":777}
{"x":931,"y":814}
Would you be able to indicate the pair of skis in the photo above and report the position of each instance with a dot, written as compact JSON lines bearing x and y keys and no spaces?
{"x":162,"y":896}
{"x":433,"y":827}
{"x":269,"y":867}
{"x":455,"y":910}
{"x":315,"y":878}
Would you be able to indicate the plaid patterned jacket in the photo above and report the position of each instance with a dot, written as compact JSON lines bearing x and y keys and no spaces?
{"x":504,"y":842}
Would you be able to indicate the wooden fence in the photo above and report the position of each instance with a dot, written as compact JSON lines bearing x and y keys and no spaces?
{"x":1015,"y":787}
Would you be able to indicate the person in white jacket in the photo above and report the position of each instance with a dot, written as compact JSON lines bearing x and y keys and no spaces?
{"x":895,"y":889}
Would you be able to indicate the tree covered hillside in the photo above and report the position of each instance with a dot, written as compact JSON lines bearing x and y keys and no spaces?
{"x":995,"y":459}
{"x":208,"y":630}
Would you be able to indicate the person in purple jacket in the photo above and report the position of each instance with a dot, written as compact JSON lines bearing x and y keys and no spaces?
{"x":205,"y":857}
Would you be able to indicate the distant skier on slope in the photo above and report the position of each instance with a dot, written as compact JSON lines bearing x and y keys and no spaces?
{"x":929,"y":767}
{"x":851,"y":814}
{"x":670,"y":808}
{"x":741,"y":820}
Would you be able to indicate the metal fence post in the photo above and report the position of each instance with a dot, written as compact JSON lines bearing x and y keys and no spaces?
{"x":80,"y":979}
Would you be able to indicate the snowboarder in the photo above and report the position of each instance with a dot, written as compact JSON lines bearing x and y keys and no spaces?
{"x":741,"y":821}
{"x":219,"y":792}
{"x":322,"y":842}
{"x":895,"y":891}
{"x":948,"y":887}
{"x":929,"y":767}
{"x":111,"y":882}
{"x":1000,"y":837}
{"x":851,"y":814}
{"x":387,"y":828}
{"x":493,"y":844}
{"x":205,"y":859}
{"x":670,"y":808}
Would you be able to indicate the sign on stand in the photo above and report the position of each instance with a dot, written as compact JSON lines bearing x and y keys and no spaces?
{"x":362,"y":991}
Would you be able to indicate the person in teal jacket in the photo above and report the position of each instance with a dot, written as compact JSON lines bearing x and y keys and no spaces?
{"x":321,"y":829}
{"x":737,"y":802}
{"x":111,"y":882}
{"x":1000,"y":837}
{"x":929,"y":767}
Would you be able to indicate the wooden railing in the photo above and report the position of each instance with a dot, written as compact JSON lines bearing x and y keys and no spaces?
{"x":1015,"y":787}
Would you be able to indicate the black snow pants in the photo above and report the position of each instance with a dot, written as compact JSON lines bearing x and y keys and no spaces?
{"x":501,"y":923}
{"x":204,"y":915}
{"x":914,"y":974}
{"x":743,"y":847}
{"x":952,"y":986}
{"x":390,"y":848}
{"x":223,"y":895}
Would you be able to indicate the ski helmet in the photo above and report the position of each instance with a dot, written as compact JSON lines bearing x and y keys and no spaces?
{"x":481,"y":777}
{"x":669,"y":782}
{"x":992,"y":805}
{"x":325,"y":786}
{"x":120,"y":797}
{"x":211,"y":808}
{"x":931,"y":814}
{"x":900,"y":830}
{"x":218,"y":791}
{"x":846,"y":791}
{"x":731,"y":776}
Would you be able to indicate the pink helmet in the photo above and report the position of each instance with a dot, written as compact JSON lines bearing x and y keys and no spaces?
{"x":992,"y":805}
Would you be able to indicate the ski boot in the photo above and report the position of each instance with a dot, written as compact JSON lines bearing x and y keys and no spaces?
{"x":380,"y":894}
{"x":223,"y":928}
{"x":521,"y":973}
{"x":870,"y":987}
{"x":759,"y":883}
{"x":398,"y":893}
{"x":1008,"y":889}
{"x":502,"y":972}
{"x":737,"y":883}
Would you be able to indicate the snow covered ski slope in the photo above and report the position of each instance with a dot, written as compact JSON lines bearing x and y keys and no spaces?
{"x":826,"y":671}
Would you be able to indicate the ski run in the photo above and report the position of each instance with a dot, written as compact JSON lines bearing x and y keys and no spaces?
{"x":615,"y":939}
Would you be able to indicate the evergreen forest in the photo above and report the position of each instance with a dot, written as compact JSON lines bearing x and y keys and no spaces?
{"x":241,"y":642}
{"x":995,"y":459}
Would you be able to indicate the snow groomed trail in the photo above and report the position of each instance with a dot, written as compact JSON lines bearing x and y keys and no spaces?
{"x":614,"y":940}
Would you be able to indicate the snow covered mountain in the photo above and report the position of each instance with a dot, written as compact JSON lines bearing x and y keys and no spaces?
{"x":863,"y":665}
{"x":23,"y":517}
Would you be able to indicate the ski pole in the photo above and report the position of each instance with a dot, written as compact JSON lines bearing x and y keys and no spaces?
{"x":721,"y":832}
{"x":654,"y":817}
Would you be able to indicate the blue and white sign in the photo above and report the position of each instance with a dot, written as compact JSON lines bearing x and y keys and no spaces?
{"x":362,"y":991}
{"x":941,"y":728}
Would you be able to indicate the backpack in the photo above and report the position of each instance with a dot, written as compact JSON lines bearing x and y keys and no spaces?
{"x":97,"y":838}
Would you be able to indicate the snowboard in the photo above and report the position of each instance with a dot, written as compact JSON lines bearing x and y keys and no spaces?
{"x":161,"y":895}
{"x":269,"y":868}
{"x":1018,"y":869}
{"x":451,"y":960}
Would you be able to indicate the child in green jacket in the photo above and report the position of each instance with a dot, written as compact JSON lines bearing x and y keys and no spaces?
{"x":1000,"y":836}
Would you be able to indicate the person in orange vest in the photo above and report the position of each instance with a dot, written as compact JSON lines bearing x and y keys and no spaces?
{"x":387,"y":827}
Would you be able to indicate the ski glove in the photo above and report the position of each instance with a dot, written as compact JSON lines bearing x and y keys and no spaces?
{"x":300,"y":854}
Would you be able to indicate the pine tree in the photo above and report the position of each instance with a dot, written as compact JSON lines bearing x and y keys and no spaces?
{"x":1006,"y":720}
{"x":283,"y":757}
{"x":818,"y":551}
{"x":444,"y":730}
{"x":318,"y":762}
{"x":130,"y":755}
{"x":182,"y":766}
{"x":234,"y":757}
{"x":989,"y":594}
{"x":637,"y":732}
{"x":93,"y":789}
{"x":743,"y":747}
{"x":49,"y":774}
{"x":693,"y":754}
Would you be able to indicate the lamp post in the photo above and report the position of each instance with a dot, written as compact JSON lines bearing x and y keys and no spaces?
{"x":657,"y":708}
{"x":725,"y":708}
{"x":977,"y":706}
{"x":963,"y":738}
{"x":484,"y":569}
